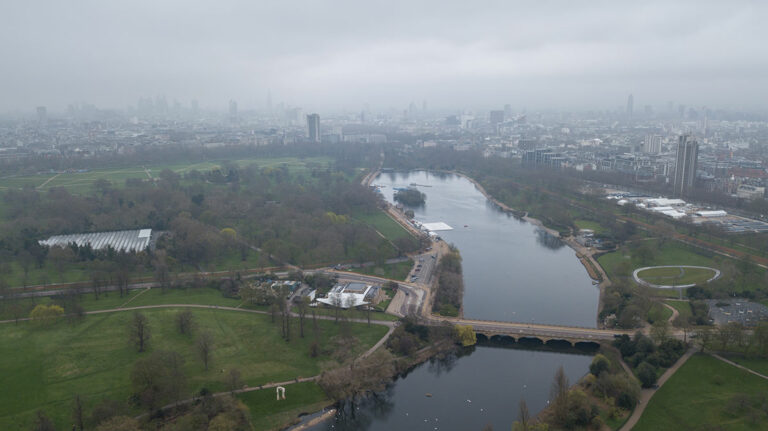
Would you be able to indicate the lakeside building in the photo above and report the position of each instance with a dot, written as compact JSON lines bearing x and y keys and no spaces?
{"x":351,"y":295}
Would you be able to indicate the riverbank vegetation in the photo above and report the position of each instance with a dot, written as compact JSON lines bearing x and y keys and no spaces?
{"x":706,"y":393}
{"x":450,"y":284}
{"x":604,"y":397}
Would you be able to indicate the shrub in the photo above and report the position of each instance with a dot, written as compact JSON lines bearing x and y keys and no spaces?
{"x":647,"y":374}
{"x":599,"y":364}
{"x":46,"y":314}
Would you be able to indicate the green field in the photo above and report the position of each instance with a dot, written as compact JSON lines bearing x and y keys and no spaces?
{"x":267,"y":413}
{"x":589,"y":224}
{"x":682,"y":307}
{"x":383,"y":224}
{"x":82,"y":182}
{"x":44,"y":367}
{"x":699,"y":396}
{"x":658,"y":312}
{"x":759,"y":365}
{"x":676,"y":276}
{"x":621,"y":262}
{"x":393,"y":271}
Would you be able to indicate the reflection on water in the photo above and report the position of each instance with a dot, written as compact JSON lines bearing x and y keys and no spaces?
{"x":513,"y":270}
{"x":475,"y":387}
{"x":548,"y":240}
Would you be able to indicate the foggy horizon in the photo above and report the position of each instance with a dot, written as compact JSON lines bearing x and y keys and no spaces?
{"x":346,"y":55}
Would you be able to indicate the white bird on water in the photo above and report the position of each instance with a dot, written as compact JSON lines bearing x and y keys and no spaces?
{"x":469,"y":401}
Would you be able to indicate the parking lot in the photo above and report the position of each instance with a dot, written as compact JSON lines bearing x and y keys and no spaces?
{"x":741,"y":311}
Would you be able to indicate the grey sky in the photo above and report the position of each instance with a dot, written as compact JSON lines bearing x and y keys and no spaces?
{"x":327,"y":54}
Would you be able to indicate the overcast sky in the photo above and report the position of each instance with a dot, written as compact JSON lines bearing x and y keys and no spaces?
{"x":328,"y":54}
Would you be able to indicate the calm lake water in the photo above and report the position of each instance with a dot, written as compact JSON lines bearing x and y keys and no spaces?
{"x":512,"y":271}
{"x":482,"y":386}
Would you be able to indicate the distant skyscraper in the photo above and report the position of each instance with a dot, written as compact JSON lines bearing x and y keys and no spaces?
{"x":630,"y":105}
{"x":313,"y":127}
{"x":508,"y":110}
{"x":652,"y":144}
{"x":497,"y":117}
{"x":269,"y":101}
{"x":42,"y":116}
{"x":232,"y":110}
{"x":423,"y":106}
{"x":685,"y":167}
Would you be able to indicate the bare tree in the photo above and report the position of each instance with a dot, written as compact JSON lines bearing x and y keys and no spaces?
{"x":204,"y":345}
{"x":559,"y":395}
{"x":184,"y":321}
{"x":303,"y":306}
{"x":77,"y":412}
{"x":523,"y":417}
{"x":140,"y":332}
{"x":234,"y":380}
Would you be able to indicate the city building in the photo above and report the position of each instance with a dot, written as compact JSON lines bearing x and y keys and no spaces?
{"x":313,"y":127}
{"x":497,"y":117}
{"x":630,"y":105}
{"x":42,"y":116}
{"x":685,"y":165}
{"x":652,"y":144}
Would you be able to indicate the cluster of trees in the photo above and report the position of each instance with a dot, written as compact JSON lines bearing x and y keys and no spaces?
{"x":283,"y":213}
{"x":410,"y":197}
{"x":626,"y":304}
{"x":450,"y":284}
{"x":733,"y":337}
{"x":646,"y":357}
{"x":411,"y":336}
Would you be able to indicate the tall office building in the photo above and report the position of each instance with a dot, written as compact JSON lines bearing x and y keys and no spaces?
{"x":42,"y":116}
{"x":630,"y":105}
{"x":313,"y":127}
{"x":685,"y":167}
{"x":497,"y":117}
{"x":652,"y":144}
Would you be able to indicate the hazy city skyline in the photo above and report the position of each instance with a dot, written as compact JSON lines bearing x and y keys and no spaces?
{"x":344,"y":55}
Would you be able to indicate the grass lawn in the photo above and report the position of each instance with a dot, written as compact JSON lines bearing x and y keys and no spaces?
{"x":44,"y":367}
{"x":697,"y":397}
{"x":676,"y":276}
{"x":393,"y":271}
{"x":671,"y":253}
{"x":589,"y":224}
{"x":82,"y":182}
{"x":682,"y":307}
{"x":658,"y":312}
{"x":267,"y":413}
{"x":133,"y":298}
{"x":755,"y":364}
{"x":384,"y":224}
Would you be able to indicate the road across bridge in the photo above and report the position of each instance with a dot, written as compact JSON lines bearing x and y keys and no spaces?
{"x":545,"y":333}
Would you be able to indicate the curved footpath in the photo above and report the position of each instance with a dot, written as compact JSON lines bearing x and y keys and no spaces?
{"x":642,"y":282}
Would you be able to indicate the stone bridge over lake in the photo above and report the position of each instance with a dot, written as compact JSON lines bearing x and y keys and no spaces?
{"x":547,"y":334}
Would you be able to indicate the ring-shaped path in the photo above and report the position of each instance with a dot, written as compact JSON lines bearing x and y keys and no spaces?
{"x":642,"y":282}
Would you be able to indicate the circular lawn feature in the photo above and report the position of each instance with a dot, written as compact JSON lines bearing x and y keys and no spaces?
{"x":674,"y":276}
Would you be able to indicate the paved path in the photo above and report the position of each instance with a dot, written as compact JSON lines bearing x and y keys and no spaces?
{"x":675,"y":313}
{"x":646,"y":394}
{"x":642,"y":282}
{"x":728,"y":361}
{"x":214,"y":307}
